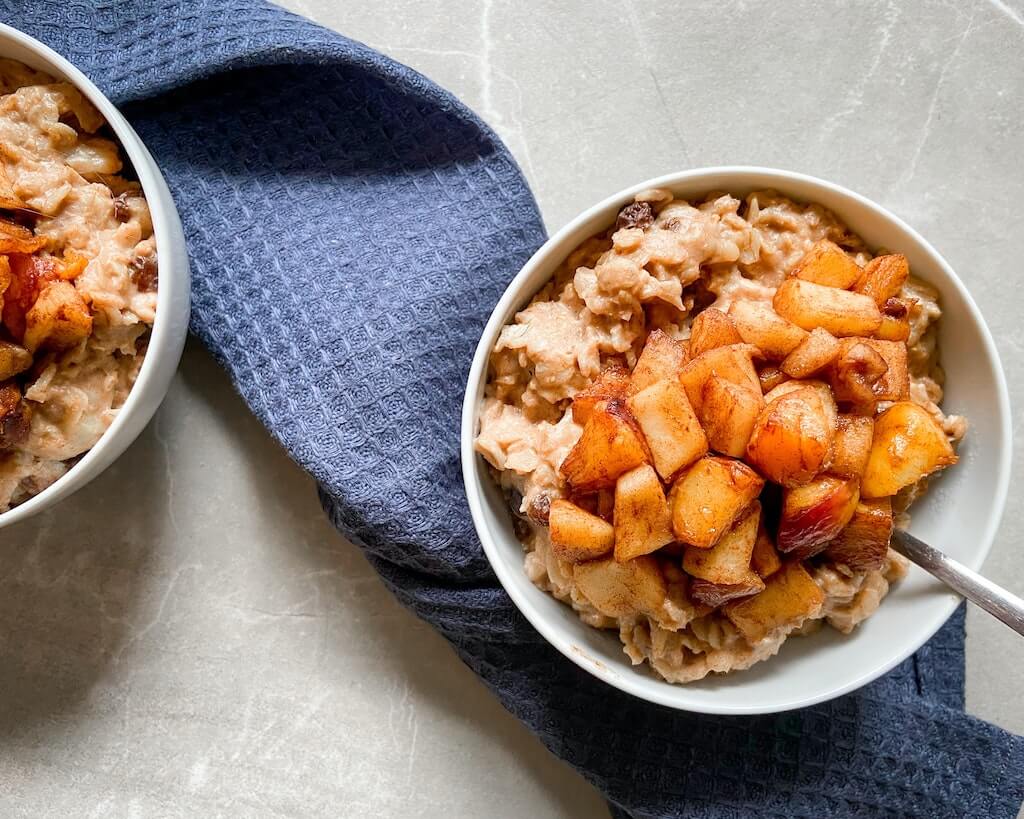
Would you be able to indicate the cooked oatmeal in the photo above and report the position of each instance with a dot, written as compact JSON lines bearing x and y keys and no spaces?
{"x":77,"y":280}
{"x":662,"y":264}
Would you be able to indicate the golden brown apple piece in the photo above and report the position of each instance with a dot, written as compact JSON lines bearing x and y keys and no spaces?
{"x":793,"y":435}
{"x":718,"y":594}
{"x":728,"y":561}
{"x":728,"y":412}
{"x":764,"y":559}
{"x":813,"y":514}
{"x":662,"y":358}
{"x":673,"y":432}
{"x":841,"y":312}
{"x":883,"y":277}
{"x":622,"y":589}
{"x":812,"y":355}
{"x":712,"y":328}
{"x":577,"y":535}
{"x":770,"y":377}
{"x":864,"y":542}
{"x":58,"y":320}
{"x":856,"y":370}
{"x":790,"y":596}
{"x":908,"y":444}
{"x":733,"y":363}
{"x":611,"y":383}
{"x":759,"y":324}
{"x":895,"y":324}
{"x":642,"y":520}
{"x":894,"y":385}
{"x":709,"y":496}
{"x":827,"y":263}
{"x":14,"y":359}
{"x":851,"y":446}
{"x":611,"y":444}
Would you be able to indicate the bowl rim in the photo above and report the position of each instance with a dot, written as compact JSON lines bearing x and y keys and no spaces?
{"x":174,"y":283}
{"x":473,"y":474}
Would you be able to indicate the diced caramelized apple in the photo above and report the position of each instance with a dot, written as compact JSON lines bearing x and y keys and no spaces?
{"x":642,"y":520}
{"x":864,"y":542}
{"x":728,"y":561}
{"x":790,"y":596}
{"x":851,"y":446}
{"x":895,"y":324}
{"x":827,"y":263}
{"x":869,"y":370}
{"x":811,"y":355}
{"x":883,"y":277}
{"x":669,"y":424}
{"x":622,"y":589}
{"x":770,"y":378}
{"x":760,"y":325}
{"x":712,"y":328}
{"x":611,"y":444}
{"x":815,"y":513}
{"x":58,"y":320}
{"x":908,"y":444}
{"x":662,"y":358}
{"x":728,"y":413}
{"x":14,"y":359}
{"x":793,"y":435}
{"x":709,"y":496}
{"x":733,"y":363}
{"x":764,"y":559}
{"x":611,"y":383}
{"x":894,"y":385}
{"x":842,"y":313}
{"x":577,"y":535}
{"x":718,"y":594}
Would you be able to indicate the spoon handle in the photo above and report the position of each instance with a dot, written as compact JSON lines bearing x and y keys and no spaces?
{"x":995,"y":600}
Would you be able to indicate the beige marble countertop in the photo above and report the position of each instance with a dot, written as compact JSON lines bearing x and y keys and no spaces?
{"x":189,"y":637}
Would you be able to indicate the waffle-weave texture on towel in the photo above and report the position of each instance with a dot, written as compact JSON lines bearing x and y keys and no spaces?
{"x":350,"y":226}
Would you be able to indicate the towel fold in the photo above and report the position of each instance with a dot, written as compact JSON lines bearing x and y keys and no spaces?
{"x":351,"y":226}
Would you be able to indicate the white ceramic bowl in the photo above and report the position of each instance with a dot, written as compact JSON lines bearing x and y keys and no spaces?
{"x":172,"y":313}
{"x":959,"y":514}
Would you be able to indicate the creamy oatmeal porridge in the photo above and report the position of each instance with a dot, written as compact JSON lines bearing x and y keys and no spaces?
{"x":708,"y":423}
{"x":78,"y":278}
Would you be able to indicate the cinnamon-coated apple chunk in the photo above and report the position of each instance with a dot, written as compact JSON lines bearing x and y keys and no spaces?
{"x":883,"y":277}
{"x":611,"y":443}
{"x":815,"y":513}
{"x":864,"y":542}
{"x":673,"y":432}
{"x":790,"y":596}
{"x":770,"y":377}
{"x":827,"y":263}
{"x":712,"y":328}
{"x":908,"y":444}
{"x":622,"y":589}
{"x":793,"y":435}
{"x":841,"y":312}
{"x":728,"y":561}
{"x":662,"y":358}
{"x":709,"y":496}
{"x":728,"y":412}
{"x":733,"y":363}
{"x":642,"y":520}
{"x":577,"y":535}
{"x":759,"y":324}
{"x":895,"y":324}
{"x":851,"y":446}
{"x":812,"y":355}
{"x":894,"y":385}
{"x":611,"y":383}
{"x":718,"y":594}
{"x":856,"y":370}
{"x":764,"y":560}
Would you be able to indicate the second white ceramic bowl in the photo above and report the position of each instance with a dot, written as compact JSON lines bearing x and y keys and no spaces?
{"x":959,"y":514}
{"x":172,"y":313}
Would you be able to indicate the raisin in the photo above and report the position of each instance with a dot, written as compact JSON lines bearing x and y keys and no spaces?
{"x":144,"y":272}
{"x":122,"y":212}
{"x":894,"y":308}
{"x":635,"y":215}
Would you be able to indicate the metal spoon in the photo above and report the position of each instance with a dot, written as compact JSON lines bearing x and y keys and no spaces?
{"x":984,"y":593}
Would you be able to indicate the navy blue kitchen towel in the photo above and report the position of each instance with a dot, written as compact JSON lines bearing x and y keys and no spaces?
{"x":351,"y":225}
